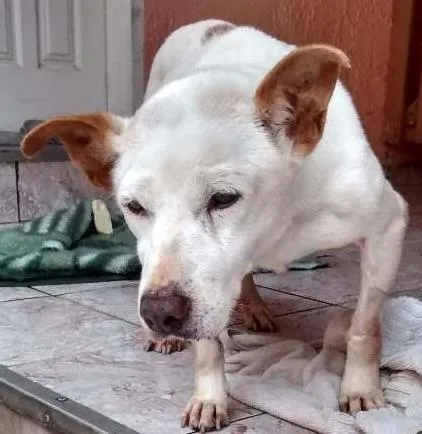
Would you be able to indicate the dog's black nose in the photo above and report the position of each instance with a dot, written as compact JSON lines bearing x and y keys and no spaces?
{"x":165,"y":311}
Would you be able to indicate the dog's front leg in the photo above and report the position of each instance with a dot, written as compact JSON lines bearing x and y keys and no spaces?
{"x":207,"y":409}
{"x":164,"y":345}
{"x":380,"y":257}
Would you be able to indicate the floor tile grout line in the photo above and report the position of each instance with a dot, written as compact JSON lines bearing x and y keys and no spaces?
{"x":100,"y":311}
{"x":230,"y":325}
{"x":296,"y":425}
{"x":341,"y":304}
{"x":309,"y":309}
{"x":303,"y":310}
{"x":24,"y":298}
{"x":70,"y":292}
{"x":324,"y":305}
{"x":296,"y":295}
{"x":39,"y":290}
{"x":261,"y":413}
{"x":396,"y":293}
{"x":390,"y":296}
{"x":327,"y":303}
{"x":57,"y":296}
{"x":49,"y":359}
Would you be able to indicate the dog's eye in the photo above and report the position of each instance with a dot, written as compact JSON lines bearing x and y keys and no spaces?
{"x":136,"y":208}
{"x":222,"y":200}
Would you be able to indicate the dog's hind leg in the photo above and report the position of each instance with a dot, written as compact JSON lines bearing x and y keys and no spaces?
{"x":380,"y":257}
{"x":251,"y":309}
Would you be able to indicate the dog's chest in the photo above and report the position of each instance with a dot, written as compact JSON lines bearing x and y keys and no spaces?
{"x":324,"y":230}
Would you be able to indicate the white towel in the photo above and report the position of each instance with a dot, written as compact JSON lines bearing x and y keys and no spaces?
{"x":290,"y":379}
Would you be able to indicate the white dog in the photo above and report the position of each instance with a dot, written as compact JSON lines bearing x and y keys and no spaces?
{"x":247,"y":152}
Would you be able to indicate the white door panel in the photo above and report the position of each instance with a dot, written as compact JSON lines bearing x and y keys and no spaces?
{"x":53,"y":59}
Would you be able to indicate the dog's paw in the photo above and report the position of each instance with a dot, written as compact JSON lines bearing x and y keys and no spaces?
{"x":165,"y":345}
{"x":353,"y":401}
{"x":255,"y":316}
{"x":205,"y":415}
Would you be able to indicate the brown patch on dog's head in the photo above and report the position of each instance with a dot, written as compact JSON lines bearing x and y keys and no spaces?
{"x":295,"y":94}
{"x":87,"y":139}
{"x":216,"y":30}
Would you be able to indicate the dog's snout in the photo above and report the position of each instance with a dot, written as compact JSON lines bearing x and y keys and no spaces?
{"x":165,"y":311}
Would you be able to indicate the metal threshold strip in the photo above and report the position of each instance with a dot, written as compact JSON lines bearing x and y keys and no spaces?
{"x":52,"y":411}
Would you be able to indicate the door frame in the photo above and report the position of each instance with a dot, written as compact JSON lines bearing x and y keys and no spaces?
{"x":119,"y":57}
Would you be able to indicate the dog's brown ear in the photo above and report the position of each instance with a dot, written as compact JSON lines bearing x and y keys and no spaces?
{"x":90,"y":140}
{"x":293,"y":98}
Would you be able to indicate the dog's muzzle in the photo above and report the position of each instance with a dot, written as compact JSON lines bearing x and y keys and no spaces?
{"x":165,"y":310}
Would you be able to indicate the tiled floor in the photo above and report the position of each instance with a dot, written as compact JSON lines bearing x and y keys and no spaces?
{"x":84,"y":340}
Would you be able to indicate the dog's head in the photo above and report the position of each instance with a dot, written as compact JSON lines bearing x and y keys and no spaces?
{"x":199,"y":172}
